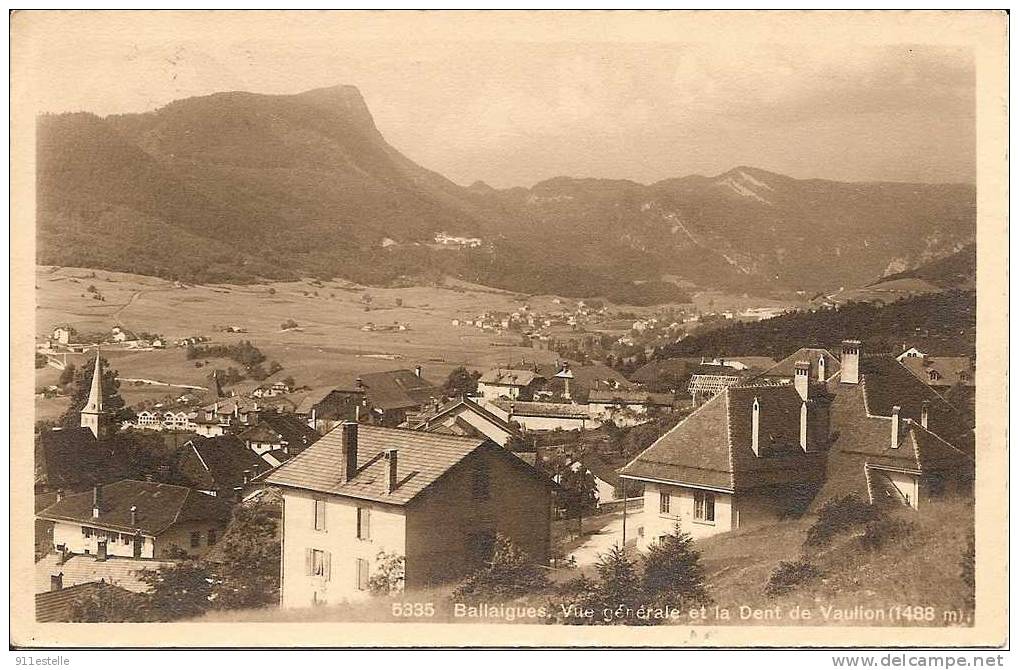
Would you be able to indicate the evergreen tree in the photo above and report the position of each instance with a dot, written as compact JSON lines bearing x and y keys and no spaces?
{"x":673,"y":574}
{"x":510,"y":574}
{"x":248,"y":561}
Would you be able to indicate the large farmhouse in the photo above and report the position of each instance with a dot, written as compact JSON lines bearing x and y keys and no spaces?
{"x":759,"y":452}
{"x":364,"y":492}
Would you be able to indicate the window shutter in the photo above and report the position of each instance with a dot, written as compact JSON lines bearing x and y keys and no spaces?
{"x":309,"y":561}
{"x":367,"y":524}
{"x":328,"y":560}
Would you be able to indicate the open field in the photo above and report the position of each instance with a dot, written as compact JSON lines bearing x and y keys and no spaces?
{"x":328,"y":348}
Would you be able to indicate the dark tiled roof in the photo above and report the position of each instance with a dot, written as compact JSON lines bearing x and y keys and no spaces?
{"x":285,"y":427}
{"x":695,"y":451}
{"x":313,"y":397}
{"x":422,"y":459}
{"x":586,"y":378}
{"x":504,"y":377}
{"x":398,"y":389}
{"x":160,"y":506}
{"x":713,"y":446}
{"x":785,"y":367}
{"x":54,"y":606}
{"x":948,"y":369}
{"x":221,"y":462}
{"x":887,"y":383}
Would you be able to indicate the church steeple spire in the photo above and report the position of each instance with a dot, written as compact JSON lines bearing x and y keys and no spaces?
{"x":91,"y":415}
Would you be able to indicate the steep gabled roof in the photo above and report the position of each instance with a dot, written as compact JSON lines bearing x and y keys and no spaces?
{"x":694,"y":452}
{"x":422,"y":459}
{"x":398,"y":389}
{"x":286,"y":427}
{"x":713,"y":447}
{"x":222,"y":461}
{"x":465,"y":404}
{"x":159,"y":507}
{"x":509,"y":377}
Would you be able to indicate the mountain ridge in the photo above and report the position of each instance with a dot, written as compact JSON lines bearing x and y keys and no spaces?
{"x":281,"y":185}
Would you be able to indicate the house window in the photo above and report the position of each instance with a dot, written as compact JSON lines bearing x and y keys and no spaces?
{"x":480,"y":482}
{"x":317,"y":563}
{"x":86,"y":531}
{"x":664,"y":502}
{"x":704,"y":506}
{"x":364,"y":523}
{"x":320,"y":515}
{"x":361,"y":571}
{"x":196,"y":538}
{"x":934,"y":375}
{"x":212,"y":536}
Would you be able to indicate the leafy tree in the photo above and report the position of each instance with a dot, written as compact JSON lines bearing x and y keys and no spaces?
{"x":461,"y":381}
{"x":289,"y":324}
{"x":673,"y":574}
{"x":248,"y":558}
{"x":389,"y":574}
{"x":290,"y":382}
{"x":274,"y":367}
{"x":67,"y":374}
{"x":110,"y":605}
{"x":510,"y":574}
{"x":113,"y":403}
{"x":181,"y":590}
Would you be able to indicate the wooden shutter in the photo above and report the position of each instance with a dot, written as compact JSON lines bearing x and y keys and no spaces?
{"x":366,"y":517}
{"x":309,"y":561}
{"x":327,"y":570}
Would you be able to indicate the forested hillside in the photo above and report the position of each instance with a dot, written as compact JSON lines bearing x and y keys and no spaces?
{"x":938,"y":323}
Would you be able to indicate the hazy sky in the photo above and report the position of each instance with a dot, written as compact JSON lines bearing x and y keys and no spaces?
{"x":513,"y":112}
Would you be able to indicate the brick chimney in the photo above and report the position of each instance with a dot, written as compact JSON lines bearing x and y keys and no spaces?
{"x":895,"y":427}
{"x":392,"y":461}
{"x":134,"y":516}
{"x":97,"y":500}
{"x":852,"y":350}
{"x":57,"y":581}
{"x":755,"y":428}
{"x":348,"y":445}
{"x":924,"y":412}
{"x":801,"y":379}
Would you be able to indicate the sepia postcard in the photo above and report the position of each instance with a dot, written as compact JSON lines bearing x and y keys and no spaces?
{"x":504,"y":329}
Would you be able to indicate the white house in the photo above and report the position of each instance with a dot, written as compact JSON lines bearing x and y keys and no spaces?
{"x":509,"y":383}
{"x":365,"y":493}
{"x":136,"y":519}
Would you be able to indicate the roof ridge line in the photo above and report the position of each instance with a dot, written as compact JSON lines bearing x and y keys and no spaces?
{"x":671,"y":430}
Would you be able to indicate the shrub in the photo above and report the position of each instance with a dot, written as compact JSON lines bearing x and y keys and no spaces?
{"x":838,"y":515}
{"x":880,"y":531}
{"x":790,"y":574}
{"x":389,"y":575}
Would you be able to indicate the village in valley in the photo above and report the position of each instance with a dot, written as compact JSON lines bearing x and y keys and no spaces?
{"x":565,"y":449}
{"x":658,"y":332}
